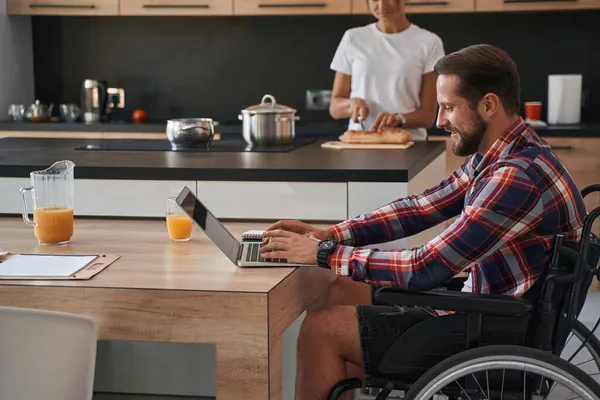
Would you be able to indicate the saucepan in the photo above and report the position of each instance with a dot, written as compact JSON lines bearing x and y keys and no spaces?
{"x":190,"y":132}
{"x":268,"y":123}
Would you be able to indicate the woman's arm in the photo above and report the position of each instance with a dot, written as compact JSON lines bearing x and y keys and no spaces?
{"x":422,"y":117}
{"x":340,"y":96}
{"x":341,"y":105}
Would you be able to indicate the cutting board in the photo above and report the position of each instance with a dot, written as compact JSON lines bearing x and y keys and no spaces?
{"x":352,"y":146}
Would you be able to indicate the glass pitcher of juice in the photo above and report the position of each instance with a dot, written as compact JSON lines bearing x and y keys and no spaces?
{"x":53,"y":192}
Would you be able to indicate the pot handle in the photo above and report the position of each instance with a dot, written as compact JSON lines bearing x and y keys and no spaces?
{"x":286,"y":119}
{"x":190,"y":127}
{"x":271,"y":98}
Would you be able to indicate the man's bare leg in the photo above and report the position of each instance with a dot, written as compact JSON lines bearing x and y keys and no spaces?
{"x":346,"y":292}
{"x":329,"y":339}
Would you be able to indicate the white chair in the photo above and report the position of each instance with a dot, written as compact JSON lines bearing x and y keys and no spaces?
{"x":46,"y":355}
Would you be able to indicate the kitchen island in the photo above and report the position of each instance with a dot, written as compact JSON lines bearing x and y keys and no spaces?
{"x":309,"y":182}
{"x":238,"y":326}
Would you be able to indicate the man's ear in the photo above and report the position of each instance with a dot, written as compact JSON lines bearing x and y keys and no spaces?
{"x":491,"y":104}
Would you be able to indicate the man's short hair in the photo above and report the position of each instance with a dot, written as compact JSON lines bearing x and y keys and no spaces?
{"x":483,"y":69}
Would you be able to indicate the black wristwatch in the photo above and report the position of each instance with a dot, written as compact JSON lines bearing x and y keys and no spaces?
{"x":324,"y":249}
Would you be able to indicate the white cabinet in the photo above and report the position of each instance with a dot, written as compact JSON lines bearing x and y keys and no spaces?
{"x":275,"y":200}
{"x":10,"y":198}
{"x":364,"y":197}
{"x":125,"y":198}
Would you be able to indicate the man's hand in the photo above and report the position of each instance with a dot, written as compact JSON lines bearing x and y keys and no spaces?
{"x":292,"y":246}
{"x":300,"y":228}
{"x":386,"y":120}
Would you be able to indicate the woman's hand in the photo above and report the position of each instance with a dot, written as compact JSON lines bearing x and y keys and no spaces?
{"x":386,"y":120}
{"x":359,"y":110}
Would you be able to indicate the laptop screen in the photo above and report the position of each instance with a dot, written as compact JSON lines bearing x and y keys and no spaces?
{"x":211,"y":225}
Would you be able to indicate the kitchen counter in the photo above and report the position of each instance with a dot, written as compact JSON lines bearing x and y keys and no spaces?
{"x":309,"y":183}
{"x":310,"y":163}
{"x":303,"y":128}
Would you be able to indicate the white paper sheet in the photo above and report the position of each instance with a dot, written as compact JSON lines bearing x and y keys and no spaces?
{"x":43,"y":265}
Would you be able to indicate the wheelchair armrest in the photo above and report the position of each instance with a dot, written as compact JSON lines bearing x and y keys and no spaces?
{"x":456,"y":301}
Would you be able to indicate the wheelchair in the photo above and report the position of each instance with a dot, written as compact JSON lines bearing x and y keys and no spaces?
{"x":496,"y":346}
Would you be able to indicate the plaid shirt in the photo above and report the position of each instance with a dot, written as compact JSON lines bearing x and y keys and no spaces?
{"x":511,"y":202}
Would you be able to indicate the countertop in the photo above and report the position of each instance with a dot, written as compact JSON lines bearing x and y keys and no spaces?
{"x":310,"y":163}
{"x":303,"y":128}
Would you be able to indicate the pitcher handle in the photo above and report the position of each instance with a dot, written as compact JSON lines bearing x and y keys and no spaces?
{"x":24,"y":203}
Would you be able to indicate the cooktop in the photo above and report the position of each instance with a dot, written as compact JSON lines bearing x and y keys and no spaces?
{"x":223,"y":145}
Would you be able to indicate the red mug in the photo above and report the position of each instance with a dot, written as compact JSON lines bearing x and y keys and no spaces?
{"x":533,"y":110}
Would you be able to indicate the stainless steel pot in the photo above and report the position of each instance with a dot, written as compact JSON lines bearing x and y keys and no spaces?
{"x":268,"y":123}
{"x":190,"y":132}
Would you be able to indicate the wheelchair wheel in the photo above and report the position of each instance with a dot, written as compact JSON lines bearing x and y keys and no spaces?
{"x":582,"y":349}
{"x":504,"y":372}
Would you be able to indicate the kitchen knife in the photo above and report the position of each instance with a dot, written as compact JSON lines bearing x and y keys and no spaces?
{"x":360,"y":121}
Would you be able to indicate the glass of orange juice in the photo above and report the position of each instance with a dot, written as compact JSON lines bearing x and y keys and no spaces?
{"x":179,"y":225}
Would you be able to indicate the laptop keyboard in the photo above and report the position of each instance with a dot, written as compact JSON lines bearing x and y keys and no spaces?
{"x":253,"y":254}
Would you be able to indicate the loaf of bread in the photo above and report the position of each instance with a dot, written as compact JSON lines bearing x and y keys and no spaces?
{"x":386,"y":136}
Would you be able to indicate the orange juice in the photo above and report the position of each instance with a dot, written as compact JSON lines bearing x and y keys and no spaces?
{"x":179,"y":226}
{"x":53,"y":224}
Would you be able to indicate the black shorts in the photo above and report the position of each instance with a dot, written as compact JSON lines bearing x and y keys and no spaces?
{"x":380,"y":326}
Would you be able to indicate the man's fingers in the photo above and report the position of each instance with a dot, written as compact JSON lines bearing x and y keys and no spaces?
{"x":275,"y":254}
{"x":276,"y":244}
{"x":278,"y":233}
{"x":283,"y":224}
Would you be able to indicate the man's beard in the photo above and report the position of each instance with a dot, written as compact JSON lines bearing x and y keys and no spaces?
{"x":469,"y":141}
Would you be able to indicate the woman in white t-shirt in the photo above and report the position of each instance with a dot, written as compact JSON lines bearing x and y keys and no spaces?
{"x":384,"y":73}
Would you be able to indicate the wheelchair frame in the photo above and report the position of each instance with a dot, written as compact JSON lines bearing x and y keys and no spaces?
{"x":542,"y":322}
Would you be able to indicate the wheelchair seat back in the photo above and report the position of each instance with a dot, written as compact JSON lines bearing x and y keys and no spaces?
{"x":559,"y":295}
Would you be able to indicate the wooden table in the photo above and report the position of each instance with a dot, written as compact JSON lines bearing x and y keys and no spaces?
{"x":161,"y":291}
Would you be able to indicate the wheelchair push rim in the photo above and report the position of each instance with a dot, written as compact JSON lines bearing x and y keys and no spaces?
{"x":550,"y":368}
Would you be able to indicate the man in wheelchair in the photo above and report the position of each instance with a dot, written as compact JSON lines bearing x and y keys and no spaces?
{"x":512,"y":197}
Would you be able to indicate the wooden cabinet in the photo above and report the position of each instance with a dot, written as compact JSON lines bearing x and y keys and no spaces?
{"x":63,"y":7}
{"x":536,"y":5}
{"x":423,"y":6}
{"x":581,"y":158}
{"x":291,"y":7}
{"x":177,"y":7}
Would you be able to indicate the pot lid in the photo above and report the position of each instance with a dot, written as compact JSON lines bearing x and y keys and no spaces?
{"x":268,"y":105}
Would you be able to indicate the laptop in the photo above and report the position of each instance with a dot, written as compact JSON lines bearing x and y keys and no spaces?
{"x":243,"y":253}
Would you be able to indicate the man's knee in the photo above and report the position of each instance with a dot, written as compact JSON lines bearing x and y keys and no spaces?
{"x":345,"y":291}
{"x":328,"y":323}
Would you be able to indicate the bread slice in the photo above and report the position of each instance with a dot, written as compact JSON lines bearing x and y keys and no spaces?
{"x":386,"y":136}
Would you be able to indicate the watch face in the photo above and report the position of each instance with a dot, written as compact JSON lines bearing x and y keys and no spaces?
{"x":327,"y":244}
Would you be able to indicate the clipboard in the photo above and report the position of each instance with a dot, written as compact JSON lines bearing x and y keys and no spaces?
{"x":92,"y":265}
